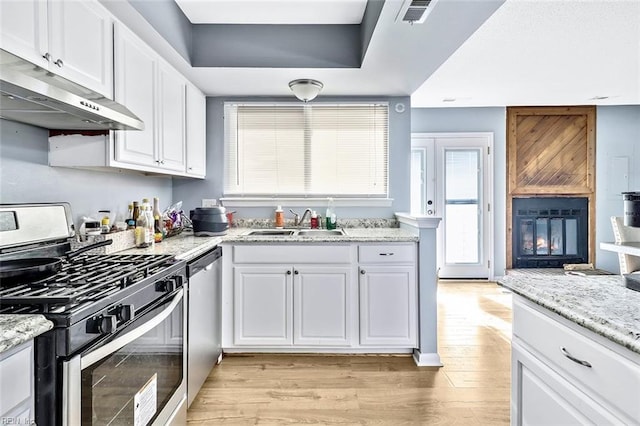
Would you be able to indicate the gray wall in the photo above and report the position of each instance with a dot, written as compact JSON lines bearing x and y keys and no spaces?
{"x":617,"y":135}
{"x":25,"y":177}
{"x":617,"y":139}
{"x":493,"y":120}
{"x":192,"y":192}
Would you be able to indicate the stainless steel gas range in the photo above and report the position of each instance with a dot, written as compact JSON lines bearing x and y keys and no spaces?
{"x":116,"y":354}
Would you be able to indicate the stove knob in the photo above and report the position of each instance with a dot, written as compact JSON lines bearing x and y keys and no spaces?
{"x":166,"y":286}
{"x":108,"y":324}
{"x":103,"y":324}
{"x":125,"y":312}
{"x":170,"y":284}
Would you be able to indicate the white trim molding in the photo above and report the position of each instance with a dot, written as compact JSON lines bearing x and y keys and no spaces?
{"x":418,"y":221}
{"x":426,"y":359}
{"x":304,"y":202}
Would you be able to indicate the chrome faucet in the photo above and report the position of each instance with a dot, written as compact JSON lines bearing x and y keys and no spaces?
{"x":297,"y":220}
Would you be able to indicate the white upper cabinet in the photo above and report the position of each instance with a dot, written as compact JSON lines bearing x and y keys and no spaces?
{"x":135,"y":75}
{"x":196,"y":132}
{"x":73,"y":39}
{"x":155,"y":92}
{"x":23,"y":29}
{"x":172,"y":135}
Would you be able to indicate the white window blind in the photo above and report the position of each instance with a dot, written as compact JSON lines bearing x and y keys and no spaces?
{"x":306,"y":149}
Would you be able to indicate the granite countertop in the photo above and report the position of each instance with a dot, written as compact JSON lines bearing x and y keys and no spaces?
{"x":601,"y":304}
{"x":183,"y":246}
{"x":187,"y":246}
{"x":17,"y":329}
{"x":367,"y":235}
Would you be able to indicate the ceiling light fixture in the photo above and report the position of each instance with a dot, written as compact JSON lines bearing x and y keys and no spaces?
{"x":305,"y":89}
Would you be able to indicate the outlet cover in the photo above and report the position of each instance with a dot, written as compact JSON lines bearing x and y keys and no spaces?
{"x":209,"y":202}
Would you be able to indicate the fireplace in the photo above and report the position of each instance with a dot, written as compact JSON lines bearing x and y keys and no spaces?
{"x":550,"y":232}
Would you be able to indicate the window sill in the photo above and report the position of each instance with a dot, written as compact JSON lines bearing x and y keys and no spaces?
{"x":304,"y":202}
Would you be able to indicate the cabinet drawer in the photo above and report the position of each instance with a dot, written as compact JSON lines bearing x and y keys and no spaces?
{"x":289,"y":254}
{"x":387,"y":253}
{"x":612,"y":377}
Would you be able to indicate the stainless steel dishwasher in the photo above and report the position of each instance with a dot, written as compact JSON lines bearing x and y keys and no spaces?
{"x":204,"y":328}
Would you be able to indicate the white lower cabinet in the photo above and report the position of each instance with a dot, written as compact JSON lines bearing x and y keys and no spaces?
{"x":322,"y":305}
{"x":564,"y":374}
{"x":388,"y":295}
{"x":16,"y":385}
{"x":543,"y":397}
{"x":262,"y":305}
{"x":287,"y":304}
{"x":388,"y":306}
{"x":318,"y":300}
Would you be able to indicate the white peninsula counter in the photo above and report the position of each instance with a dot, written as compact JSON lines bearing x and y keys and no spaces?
{"x":575,"y":350}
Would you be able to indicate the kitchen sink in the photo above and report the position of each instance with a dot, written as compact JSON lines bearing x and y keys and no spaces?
{"x":296,"y":232}
{"x":272,"y":232}
{"x":320,"y":232}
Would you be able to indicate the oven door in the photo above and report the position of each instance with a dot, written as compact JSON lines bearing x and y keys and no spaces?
{"x":136,"y":377}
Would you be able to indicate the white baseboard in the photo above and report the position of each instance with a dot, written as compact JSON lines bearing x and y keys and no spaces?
{"x":426,"y":359}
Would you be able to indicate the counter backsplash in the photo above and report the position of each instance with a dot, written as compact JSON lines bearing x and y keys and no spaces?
{"x":342,"y":223}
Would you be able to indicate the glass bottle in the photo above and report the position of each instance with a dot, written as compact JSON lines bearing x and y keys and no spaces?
{"x":136,"y":213}
{"x":141,"y":231}
{"x":330,"y":215}
{"x":157,"y":221}
{"x":131,"y":224}
{"x":150,"y":223}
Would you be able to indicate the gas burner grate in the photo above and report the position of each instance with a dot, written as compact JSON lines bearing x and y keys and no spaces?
{"x":82,"y":280}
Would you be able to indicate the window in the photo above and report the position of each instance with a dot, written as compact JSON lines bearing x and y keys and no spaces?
{"x":309,"y":150}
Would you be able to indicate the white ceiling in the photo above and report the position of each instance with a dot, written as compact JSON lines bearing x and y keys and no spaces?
{"x":567,"y":52}
{"x":529,"y":52}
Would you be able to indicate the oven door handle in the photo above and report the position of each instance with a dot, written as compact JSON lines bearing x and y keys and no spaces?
{"x":120,"y":342}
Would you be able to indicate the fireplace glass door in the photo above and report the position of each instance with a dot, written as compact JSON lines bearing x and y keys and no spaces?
{"x":549,"y":232}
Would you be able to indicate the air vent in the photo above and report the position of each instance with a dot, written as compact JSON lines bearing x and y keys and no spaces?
{"x":415,"y":11}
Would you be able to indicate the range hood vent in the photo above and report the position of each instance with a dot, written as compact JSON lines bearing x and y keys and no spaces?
{"x":415,"y":11}
{"x":33,"y":95}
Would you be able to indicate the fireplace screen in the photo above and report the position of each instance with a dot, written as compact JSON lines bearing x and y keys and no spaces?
{"x":549,"y":232}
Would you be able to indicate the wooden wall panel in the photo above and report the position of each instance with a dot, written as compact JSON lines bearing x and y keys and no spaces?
{"x":551,"y":152}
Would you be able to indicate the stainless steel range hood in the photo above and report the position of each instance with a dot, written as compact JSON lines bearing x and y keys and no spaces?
{"x":33,"y":95}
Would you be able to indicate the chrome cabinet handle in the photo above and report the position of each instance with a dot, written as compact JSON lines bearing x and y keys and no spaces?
{"x":362,"y":272}
{"x":574,"y":359}
{"x":59,"y":63}
{"x":288,"y":272}
{"x":386,"y":254}
{"x":47,"y":56}
{"x":296,"y":272}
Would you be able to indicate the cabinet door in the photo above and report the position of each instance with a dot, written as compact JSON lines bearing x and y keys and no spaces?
{"x":388,"y":312}
{"x":196,"y":132}
{"x":23,"y":29}
{"x":542,"y":397}
{"x":135,"y":88}
{"x":16,"y":386}
{"x":322,"y":306}
{"x":81,"y":43}
{"x":172,"y":87}
{"x":262,"y":305}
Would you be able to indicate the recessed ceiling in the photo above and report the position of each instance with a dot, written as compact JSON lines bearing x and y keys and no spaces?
{"x":273,"y":11}
{"x":466,"y":53}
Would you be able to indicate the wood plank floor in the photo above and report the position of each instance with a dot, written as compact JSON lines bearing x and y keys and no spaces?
{"x":471,"y":389}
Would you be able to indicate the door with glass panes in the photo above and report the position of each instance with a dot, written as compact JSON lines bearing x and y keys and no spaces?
{"x":451,"y":177}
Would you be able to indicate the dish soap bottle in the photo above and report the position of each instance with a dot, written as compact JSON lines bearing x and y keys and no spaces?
{"x":314,"y":220}
{"x":279,"y":217}
{"x":331,"y":215}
